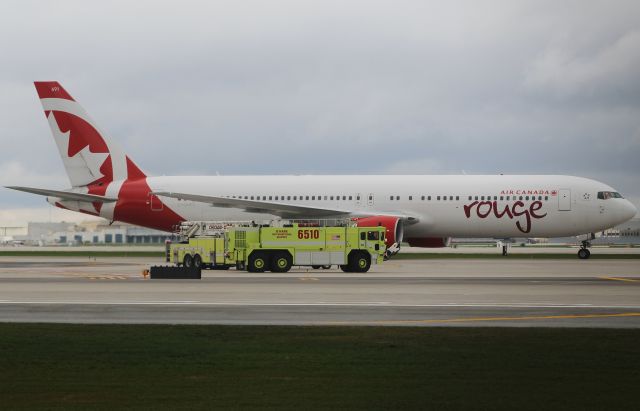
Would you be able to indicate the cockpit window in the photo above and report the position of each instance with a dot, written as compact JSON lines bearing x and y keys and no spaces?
{"x":605,"y":195}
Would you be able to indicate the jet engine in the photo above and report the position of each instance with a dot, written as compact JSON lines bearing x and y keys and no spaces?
{"x":429,"y":242}
{"x":394,"y":228}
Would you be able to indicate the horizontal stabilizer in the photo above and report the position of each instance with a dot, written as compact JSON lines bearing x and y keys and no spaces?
{"x":65,"y":195}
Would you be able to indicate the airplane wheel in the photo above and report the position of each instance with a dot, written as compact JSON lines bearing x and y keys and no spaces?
{"x":345,"y":268}
{"x":326,"y":267}
{"x":583,"y":254}
{"x":197,"y":261}
{"x":316,"y":267}
{"x":187,"y":261}
{"x":281,"y":262}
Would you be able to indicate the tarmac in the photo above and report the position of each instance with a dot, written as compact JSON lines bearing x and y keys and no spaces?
{"x":433,"y":292}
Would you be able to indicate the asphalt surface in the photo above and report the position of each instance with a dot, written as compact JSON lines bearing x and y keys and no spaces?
{"x":483,"y":292}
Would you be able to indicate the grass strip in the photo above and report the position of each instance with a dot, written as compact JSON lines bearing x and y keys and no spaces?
{"x":96,"y":367}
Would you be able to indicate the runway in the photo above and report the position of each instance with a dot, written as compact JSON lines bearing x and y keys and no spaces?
{"x":515,"y":293}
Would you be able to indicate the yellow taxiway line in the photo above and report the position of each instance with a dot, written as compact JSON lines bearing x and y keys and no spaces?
{"x":478,"y":319}
{"x":631,"y":280}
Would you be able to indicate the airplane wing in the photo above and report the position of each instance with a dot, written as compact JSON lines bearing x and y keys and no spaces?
{"x":65,"y":195}
{"x":282,"y":210}
{"x":279,"y":209}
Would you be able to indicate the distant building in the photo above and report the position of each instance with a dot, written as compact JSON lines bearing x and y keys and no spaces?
{"x":627,"y":233}
{"x":8,"y":234}
{"x":98,"y":232}
{"x":91,"y":233}
{"x":623,"y":234}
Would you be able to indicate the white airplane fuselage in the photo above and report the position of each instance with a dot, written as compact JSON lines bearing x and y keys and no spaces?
{"x":106,"y":182}
{"x":444,"y":205}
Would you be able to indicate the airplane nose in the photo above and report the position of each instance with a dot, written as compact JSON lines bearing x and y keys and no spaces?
{"x":628,"y":210}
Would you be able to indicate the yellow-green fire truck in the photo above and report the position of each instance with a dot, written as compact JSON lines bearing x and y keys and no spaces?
{"x":278,"y":246}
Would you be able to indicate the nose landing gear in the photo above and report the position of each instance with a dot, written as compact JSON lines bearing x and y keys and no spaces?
{"x":583,"y":252}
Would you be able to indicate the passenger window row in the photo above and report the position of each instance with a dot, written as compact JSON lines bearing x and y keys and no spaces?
{"x":397,"y":198}
{"x":295,"y":198}
{"x":510,"y":198}
{"x":482,"y":198}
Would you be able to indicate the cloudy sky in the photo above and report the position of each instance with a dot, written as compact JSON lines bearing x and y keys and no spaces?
{"x":282,"y":87}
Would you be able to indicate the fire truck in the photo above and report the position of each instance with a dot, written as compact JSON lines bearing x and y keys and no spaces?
{"x":278,"y":245}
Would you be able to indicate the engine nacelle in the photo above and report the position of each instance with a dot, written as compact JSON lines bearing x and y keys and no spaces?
{"x":394,"y":227}
{"x":429,"y":242}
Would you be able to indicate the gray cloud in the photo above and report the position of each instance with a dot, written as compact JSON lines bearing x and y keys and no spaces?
{"x":331,"y":87}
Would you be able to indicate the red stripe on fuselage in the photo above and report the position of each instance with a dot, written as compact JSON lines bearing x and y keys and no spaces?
{"x":134,"y":204}
{"x":133,"y":172}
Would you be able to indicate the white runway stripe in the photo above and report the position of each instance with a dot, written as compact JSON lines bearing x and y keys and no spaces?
{"x":322,"y":303}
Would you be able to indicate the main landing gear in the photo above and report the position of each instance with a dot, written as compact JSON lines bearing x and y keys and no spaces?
{"x":583,"y":252}
{"x":505,"y":245}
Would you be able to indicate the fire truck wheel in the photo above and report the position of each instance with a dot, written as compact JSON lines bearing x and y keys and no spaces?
{"x":187,"y":261}
{"x":281,"y":262}
{"x":360,"y":262}
{"x":257,"y":263}
{"x":197,"y":261}
{"x":345,"y":268}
